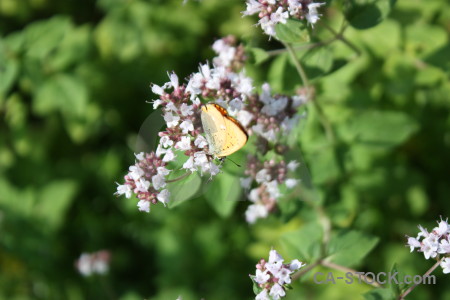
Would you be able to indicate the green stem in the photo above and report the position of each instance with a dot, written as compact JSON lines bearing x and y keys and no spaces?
{"x":403,"y":295}
{"x":340,"y":36}
{"x":348,"y":270}
{"x":302,"y":47}
{"x":322,"y":117}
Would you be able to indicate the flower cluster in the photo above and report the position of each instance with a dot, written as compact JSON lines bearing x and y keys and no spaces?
{"x":268,"y":116}
{"x":273,"y":12}
{"x":269,"y":176}
{"x":147,"y":179}
{"x":93,"y":263}
{"x":180,"y":105}
{"x":433,"y":243}
{"x":271,"y":116}
{"x":273,"y":277}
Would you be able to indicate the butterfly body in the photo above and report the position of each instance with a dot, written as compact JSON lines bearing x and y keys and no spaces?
{"x":224,"y":133}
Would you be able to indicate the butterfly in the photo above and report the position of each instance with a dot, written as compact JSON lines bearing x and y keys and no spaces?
{"x":224,"y":133}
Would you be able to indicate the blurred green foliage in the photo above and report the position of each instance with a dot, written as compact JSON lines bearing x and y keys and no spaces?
{"x":74,"y":79}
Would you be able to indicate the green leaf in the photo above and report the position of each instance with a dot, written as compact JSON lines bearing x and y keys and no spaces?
{"x":42,"y":37}
{"x":379,"y":128}
{"x":53,"y":202}
{"x":9,"y":69}
{"x":363,"y":14}
{"x":294,"y":31}
{"x":258,"y":55}
{"x":65,"y":93}
{"x":348,"y":248}
{"x":304,"y":243}
{"x":379,"y":294}
{"x":184,"y":189}
{"x":223,"y":193}
{"x":317,"y":62}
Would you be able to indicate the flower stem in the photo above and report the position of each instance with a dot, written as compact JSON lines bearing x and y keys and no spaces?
{"x":348,"y":270}
{"x":409,"y":290}
{"x":305,"y":270}
{"x":301,"y":72}
{"x":340,"y":36}
{"x":179,"y":178}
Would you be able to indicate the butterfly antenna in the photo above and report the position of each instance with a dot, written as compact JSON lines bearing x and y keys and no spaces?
{"x":235,"y":163}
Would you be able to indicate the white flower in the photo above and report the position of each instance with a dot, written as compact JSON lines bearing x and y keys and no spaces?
{"x":139,"y":156}
{"x":169,"y":156}
{"x":313,"y":16}
{"x":142,"y":185}
{"x":291,"y":182}
{"x":158,"y":181}
{"x":200,"y":142}
{"x":413,"y":243}
{"x":423,"y":232}
{"x":173,"y":80}
{"x":267,"y":26}
{"x":280,"y":16}
{"x":100,"y":266}
{"x":170,"y":106}
{"x":444,"y":246}
{"x":254,"y":212}
{"x":253,"y":7}
{"x":124,"y":189}
{"x":187,"y":126}
{"x":84,"y":264}
{"x":243,"y":84}
{"x":294,"y":6}
{"x":156,"y":103}
{"x":171,"y":120}
{"x":162,"y":171}
{"x":275,"y":257}
{"x":261,"y":277}
{"x":235,"y":106}
{"x":292,"y":165}
{"x":429,"y":249}
{"x":244,"y":117}
{"x":165,"y":141}
{"x":254,"y":195}
{"x":295,"y":265}
{"x":284,"y":276}
{"x":445,"y":264}
{"x":135,"y":172}
{"x":160,"y":150}
{"x":298,"y":100}
{"x":144,"y":205}
{"x":213,"y":169}
{"x":189,"y":164}
{"x":184,"y":144}
{"x":272,"y":189}
{"x":156,"y":89}
{"x":186,"y":110}
{"x":277,"y":291}
{"x":442,"y":229}
{"x":263,"y":176}
{"x":274,"y":106}
{"x":262,"y":295}
{"x":163,"y":196}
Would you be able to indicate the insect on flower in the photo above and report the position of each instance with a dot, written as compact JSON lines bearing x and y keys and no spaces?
{"x":225,"y":135}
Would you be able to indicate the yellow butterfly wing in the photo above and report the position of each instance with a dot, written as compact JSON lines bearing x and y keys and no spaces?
{"x":224,"y":134}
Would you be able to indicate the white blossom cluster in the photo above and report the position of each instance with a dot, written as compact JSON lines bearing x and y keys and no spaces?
{"x":269,"y":177}
{"x":433,"y":243}
{"x":273,"y":276}
{"x":273,"y":12}
{"x":93,"y":263}
{"x":271,"y":116}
